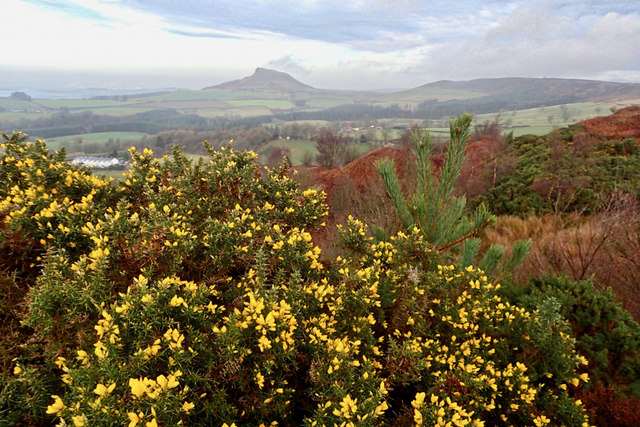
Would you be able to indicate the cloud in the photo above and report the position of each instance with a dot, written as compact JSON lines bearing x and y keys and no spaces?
{"x":537,"y":41}
{"x":330,"y":20}
{"x":288,"y":64}
{"x":204,"y":33}
{"x":71,"y":8}
{"x":355,"y":44}
{"x":388,"y":42}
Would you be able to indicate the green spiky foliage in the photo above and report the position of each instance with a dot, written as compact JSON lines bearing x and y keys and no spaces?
{"x":436,"y":211}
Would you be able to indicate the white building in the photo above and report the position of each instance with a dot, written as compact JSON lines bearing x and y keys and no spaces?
{"x":96,"y":162}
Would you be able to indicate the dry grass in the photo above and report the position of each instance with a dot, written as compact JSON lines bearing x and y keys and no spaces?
{"x":604,"y":247}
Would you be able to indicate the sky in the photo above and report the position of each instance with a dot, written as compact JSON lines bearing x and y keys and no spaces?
{"x":333,"y":44}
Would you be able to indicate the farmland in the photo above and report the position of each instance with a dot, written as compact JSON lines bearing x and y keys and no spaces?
{"x":270,"y":102}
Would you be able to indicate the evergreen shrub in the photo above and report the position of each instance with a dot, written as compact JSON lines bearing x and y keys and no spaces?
{"x":193,"y":294}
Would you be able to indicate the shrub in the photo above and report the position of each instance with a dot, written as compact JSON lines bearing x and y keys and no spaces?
{"x":195,"y":294}
{"x":605,"y":334}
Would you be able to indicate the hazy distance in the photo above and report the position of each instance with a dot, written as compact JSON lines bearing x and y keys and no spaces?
{"x":143,"y":45}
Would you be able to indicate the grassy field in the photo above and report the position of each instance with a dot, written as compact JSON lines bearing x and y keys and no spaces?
{"x":73,"y":104}
{"x":299,"y":147}
{"x":325,"y":102}
{"x":100,"y":137}
{"x":269,"y":103}
{"x":12,"y":116}
{"x":109,"y":173}
{"x":118,"y":111}
{"x":16,"y":104}
{"x":542,"y":120}
{"x":415,"y":96}
{"x":193,"y":95}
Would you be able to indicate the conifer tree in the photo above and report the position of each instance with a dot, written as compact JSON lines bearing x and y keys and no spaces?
{"x":436,"y":211}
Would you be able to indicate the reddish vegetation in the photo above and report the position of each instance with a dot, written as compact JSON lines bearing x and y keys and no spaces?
{"x":480,"y":170}
{"x":622,"y":124}
{"x":362,"y":171}
{"x":607,"y":407}
{"x":358,"y":190}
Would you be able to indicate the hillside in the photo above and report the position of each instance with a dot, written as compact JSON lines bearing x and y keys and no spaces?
{"x":263,"y":80}
{"x":624,"y":123}
{"x":362,"y":171}
{"x":582,"y":90}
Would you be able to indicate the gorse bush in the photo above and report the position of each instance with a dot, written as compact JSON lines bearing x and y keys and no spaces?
{"x":565,"y":171}
{"x":605,"y":334}
{"x":194,"y":294}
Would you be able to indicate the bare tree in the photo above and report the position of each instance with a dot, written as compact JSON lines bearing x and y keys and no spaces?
{"x":333,"y":148}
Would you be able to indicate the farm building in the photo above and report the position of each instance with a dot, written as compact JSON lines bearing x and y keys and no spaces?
{"x":96,"y":162}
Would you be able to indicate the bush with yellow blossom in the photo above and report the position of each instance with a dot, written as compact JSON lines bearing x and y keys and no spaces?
{"x":193,"y":294}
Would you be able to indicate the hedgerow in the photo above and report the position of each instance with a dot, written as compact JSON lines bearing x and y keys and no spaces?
{"x":193,"y":293}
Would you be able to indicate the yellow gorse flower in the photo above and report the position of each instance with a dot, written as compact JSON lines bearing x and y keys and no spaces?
{"x":56,"y":406}
{"x":102,"y":390}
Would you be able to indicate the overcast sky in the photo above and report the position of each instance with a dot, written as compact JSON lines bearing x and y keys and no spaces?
{"x":338,"y":44}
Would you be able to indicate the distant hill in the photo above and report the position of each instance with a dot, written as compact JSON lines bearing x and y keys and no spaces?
{"x":264,"y":80}
{"x":528,"y":105}
{"x":577,"y":90}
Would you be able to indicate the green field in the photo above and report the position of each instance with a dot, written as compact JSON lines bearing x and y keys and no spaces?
{"x":326,"y":102}
{"x":193,"y":95}
{"x":74,"y":104}
{"x":16,"y":104}
{"x":542,"y":120}
{"x":119,"y":111}
{"x":11,"y":116}
{"x":299,"y":147}
{"x":109,"y":173}
{"x":269,"y":103}
{"x":100,"y":137}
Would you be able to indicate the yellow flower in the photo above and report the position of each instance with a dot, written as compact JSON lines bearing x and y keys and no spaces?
{"x":348,"y":405}
{"x":101,"y":389}
{"x":417,"y":417}
{"x":56,"y":407}
{"x":100,"y":350}
{"x":264,"y":343}
{"x":167,"y":383}
{"x":134,"y":419}
{"x":152,"y":423}
{"x":187,"y":406}
{"x":541,"y":420}
{"x":176,"y":301}
{"x":381,"y":408}
{"x":260,"y":380}
{"x":17,"y":370}
{"x":79,"y":420}
{"x":82,"y":356}
{"x":419,"y":400}
{"x":138,"y":387}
